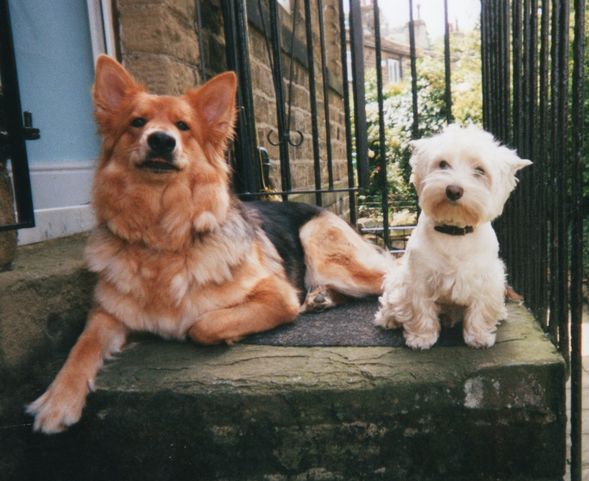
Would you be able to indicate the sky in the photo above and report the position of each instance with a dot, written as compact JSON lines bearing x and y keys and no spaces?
{"x":466,"y":12}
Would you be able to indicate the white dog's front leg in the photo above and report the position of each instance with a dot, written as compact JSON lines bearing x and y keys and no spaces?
{"x":481,"y":319}
{"x":423,"y":330}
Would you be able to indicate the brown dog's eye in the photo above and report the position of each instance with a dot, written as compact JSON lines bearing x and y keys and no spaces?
{"x":443,"y":165}
{"x":479,"y":171}
{"x":182,"y":125}
{"x":138,"y":122}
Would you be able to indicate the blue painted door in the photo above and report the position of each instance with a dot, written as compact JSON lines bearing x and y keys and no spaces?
{"x":56,"y":68}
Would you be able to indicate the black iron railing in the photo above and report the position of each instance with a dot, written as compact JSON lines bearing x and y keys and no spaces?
{"x":532,"y":89}
{"x":531,"y":104}
{"x":282,"y":47}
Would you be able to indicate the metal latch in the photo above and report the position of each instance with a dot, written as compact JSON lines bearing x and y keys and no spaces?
{"x":30,"y":132}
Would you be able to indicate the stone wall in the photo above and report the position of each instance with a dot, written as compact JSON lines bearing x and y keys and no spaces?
{"x":159,"y":43}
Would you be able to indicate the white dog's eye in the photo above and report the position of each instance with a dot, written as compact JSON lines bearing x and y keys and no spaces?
{"x":479,"y":171}
{"x":443,"y":165}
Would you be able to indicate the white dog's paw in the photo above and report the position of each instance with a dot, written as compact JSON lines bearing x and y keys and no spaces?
{"x":421,"y":340}
{"x":386,"y":319}
{"x":480,"y":339}
{"x":60,"y":407}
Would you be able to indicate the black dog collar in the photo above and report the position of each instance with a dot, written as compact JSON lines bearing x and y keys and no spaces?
{"x":454,"y":230}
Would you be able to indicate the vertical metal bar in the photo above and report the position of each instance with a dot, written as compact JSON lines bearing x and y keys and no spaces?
{"x":202,"y":66}
{"x":533,"y":81}
{"x":533,"y":292}
{"x":325,"y":79}
{"x":347,"y":110}
{"x":413,"y":55}
{"x":563,"y":32}
{"x":517,"y":73}
{"x":505,"y":56}
{"x":576,"y":294}
{"x":14,"y":124}
{"x":381,"y":127}
{"x":515,"y":208}
{"x":497,"y":43}
{"x":542,"y":161}
{"x":523,"y":146}
{"x":523,"y":232}
{"x":485,"y":62}
{"x":494,"y":67}
{"x":237,"y":51}
{"x":313,"y":100}
{"x":511,"y":237}
{"x":295,"y":9}
{"x":231,"y":50}
{"x":283,"y":133}
{"x":447,"y":73}
{"x":494,"y":81}
{"x":361,"y":135}
{"x":555,"y":153}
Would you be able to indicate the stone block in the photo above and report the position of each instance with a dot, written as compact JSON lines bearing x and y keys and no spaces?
{"x":44,"y":301}
{"x":174,"y":411}
{"x":161,"y":74}
{"x":156,"y":29}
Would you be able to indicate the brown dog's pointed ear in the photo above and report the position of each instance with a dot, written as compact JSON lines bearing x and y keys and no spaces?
{"x":214,"y":103}
{"x":113,"y":83}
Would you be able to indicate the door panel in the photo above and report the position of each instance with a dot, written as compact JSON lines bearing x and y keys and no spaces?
{"x":55,"y":67}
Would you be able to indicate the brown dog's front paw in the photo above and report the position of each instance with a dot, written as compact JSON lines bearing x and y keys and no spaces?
{"x":60,"y":407}
{"x":202,"y":332}
{"x":318,"y":300}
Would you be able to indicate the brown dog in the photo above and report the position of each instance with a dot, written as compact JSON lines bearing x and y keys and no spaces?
{"x":176,"y":253}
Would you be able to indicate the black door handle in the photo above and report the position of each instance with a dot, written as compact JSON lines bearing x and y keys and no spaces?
{"x":30,"y":132}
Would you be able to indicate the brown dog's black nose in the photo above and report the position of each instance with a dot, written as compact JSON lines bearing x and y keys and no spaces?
{"x":454,"y":192}
{"x":161,"y":143}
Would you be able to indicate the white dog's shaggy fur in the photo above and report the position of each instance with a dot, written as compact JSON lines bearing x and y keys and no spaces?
{"x":451,"y":268}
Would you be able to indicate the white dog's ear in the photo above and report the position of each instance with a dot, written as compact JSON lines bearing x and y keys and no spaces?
{"x":417,"y":151}
{"x":416,"y":162}
{"x":417,"y":144}
{"x":517,"y":163}
{"x":416,"y":181}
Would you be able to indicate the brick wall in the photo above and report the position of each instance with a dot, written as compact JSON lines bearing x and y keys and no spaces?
{"x":159,"y":44}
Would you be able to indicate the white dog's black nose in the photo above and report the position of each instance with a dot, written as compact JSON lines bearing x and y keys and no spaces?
{"x":161,"y":143}
{"x":454,"y":192}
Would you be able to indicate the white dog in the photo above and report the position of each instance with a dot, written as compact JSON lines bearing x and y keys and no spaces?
{"x":451,"y":268}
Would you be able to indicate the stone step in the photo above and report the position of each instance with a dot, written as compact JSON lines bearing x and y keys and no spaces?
{"x":175,"y":411}
{"x":43,"y":304}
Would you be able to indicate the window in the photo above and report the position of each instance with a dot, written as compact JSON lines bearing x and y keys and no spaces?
{"x":393,"y":70}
